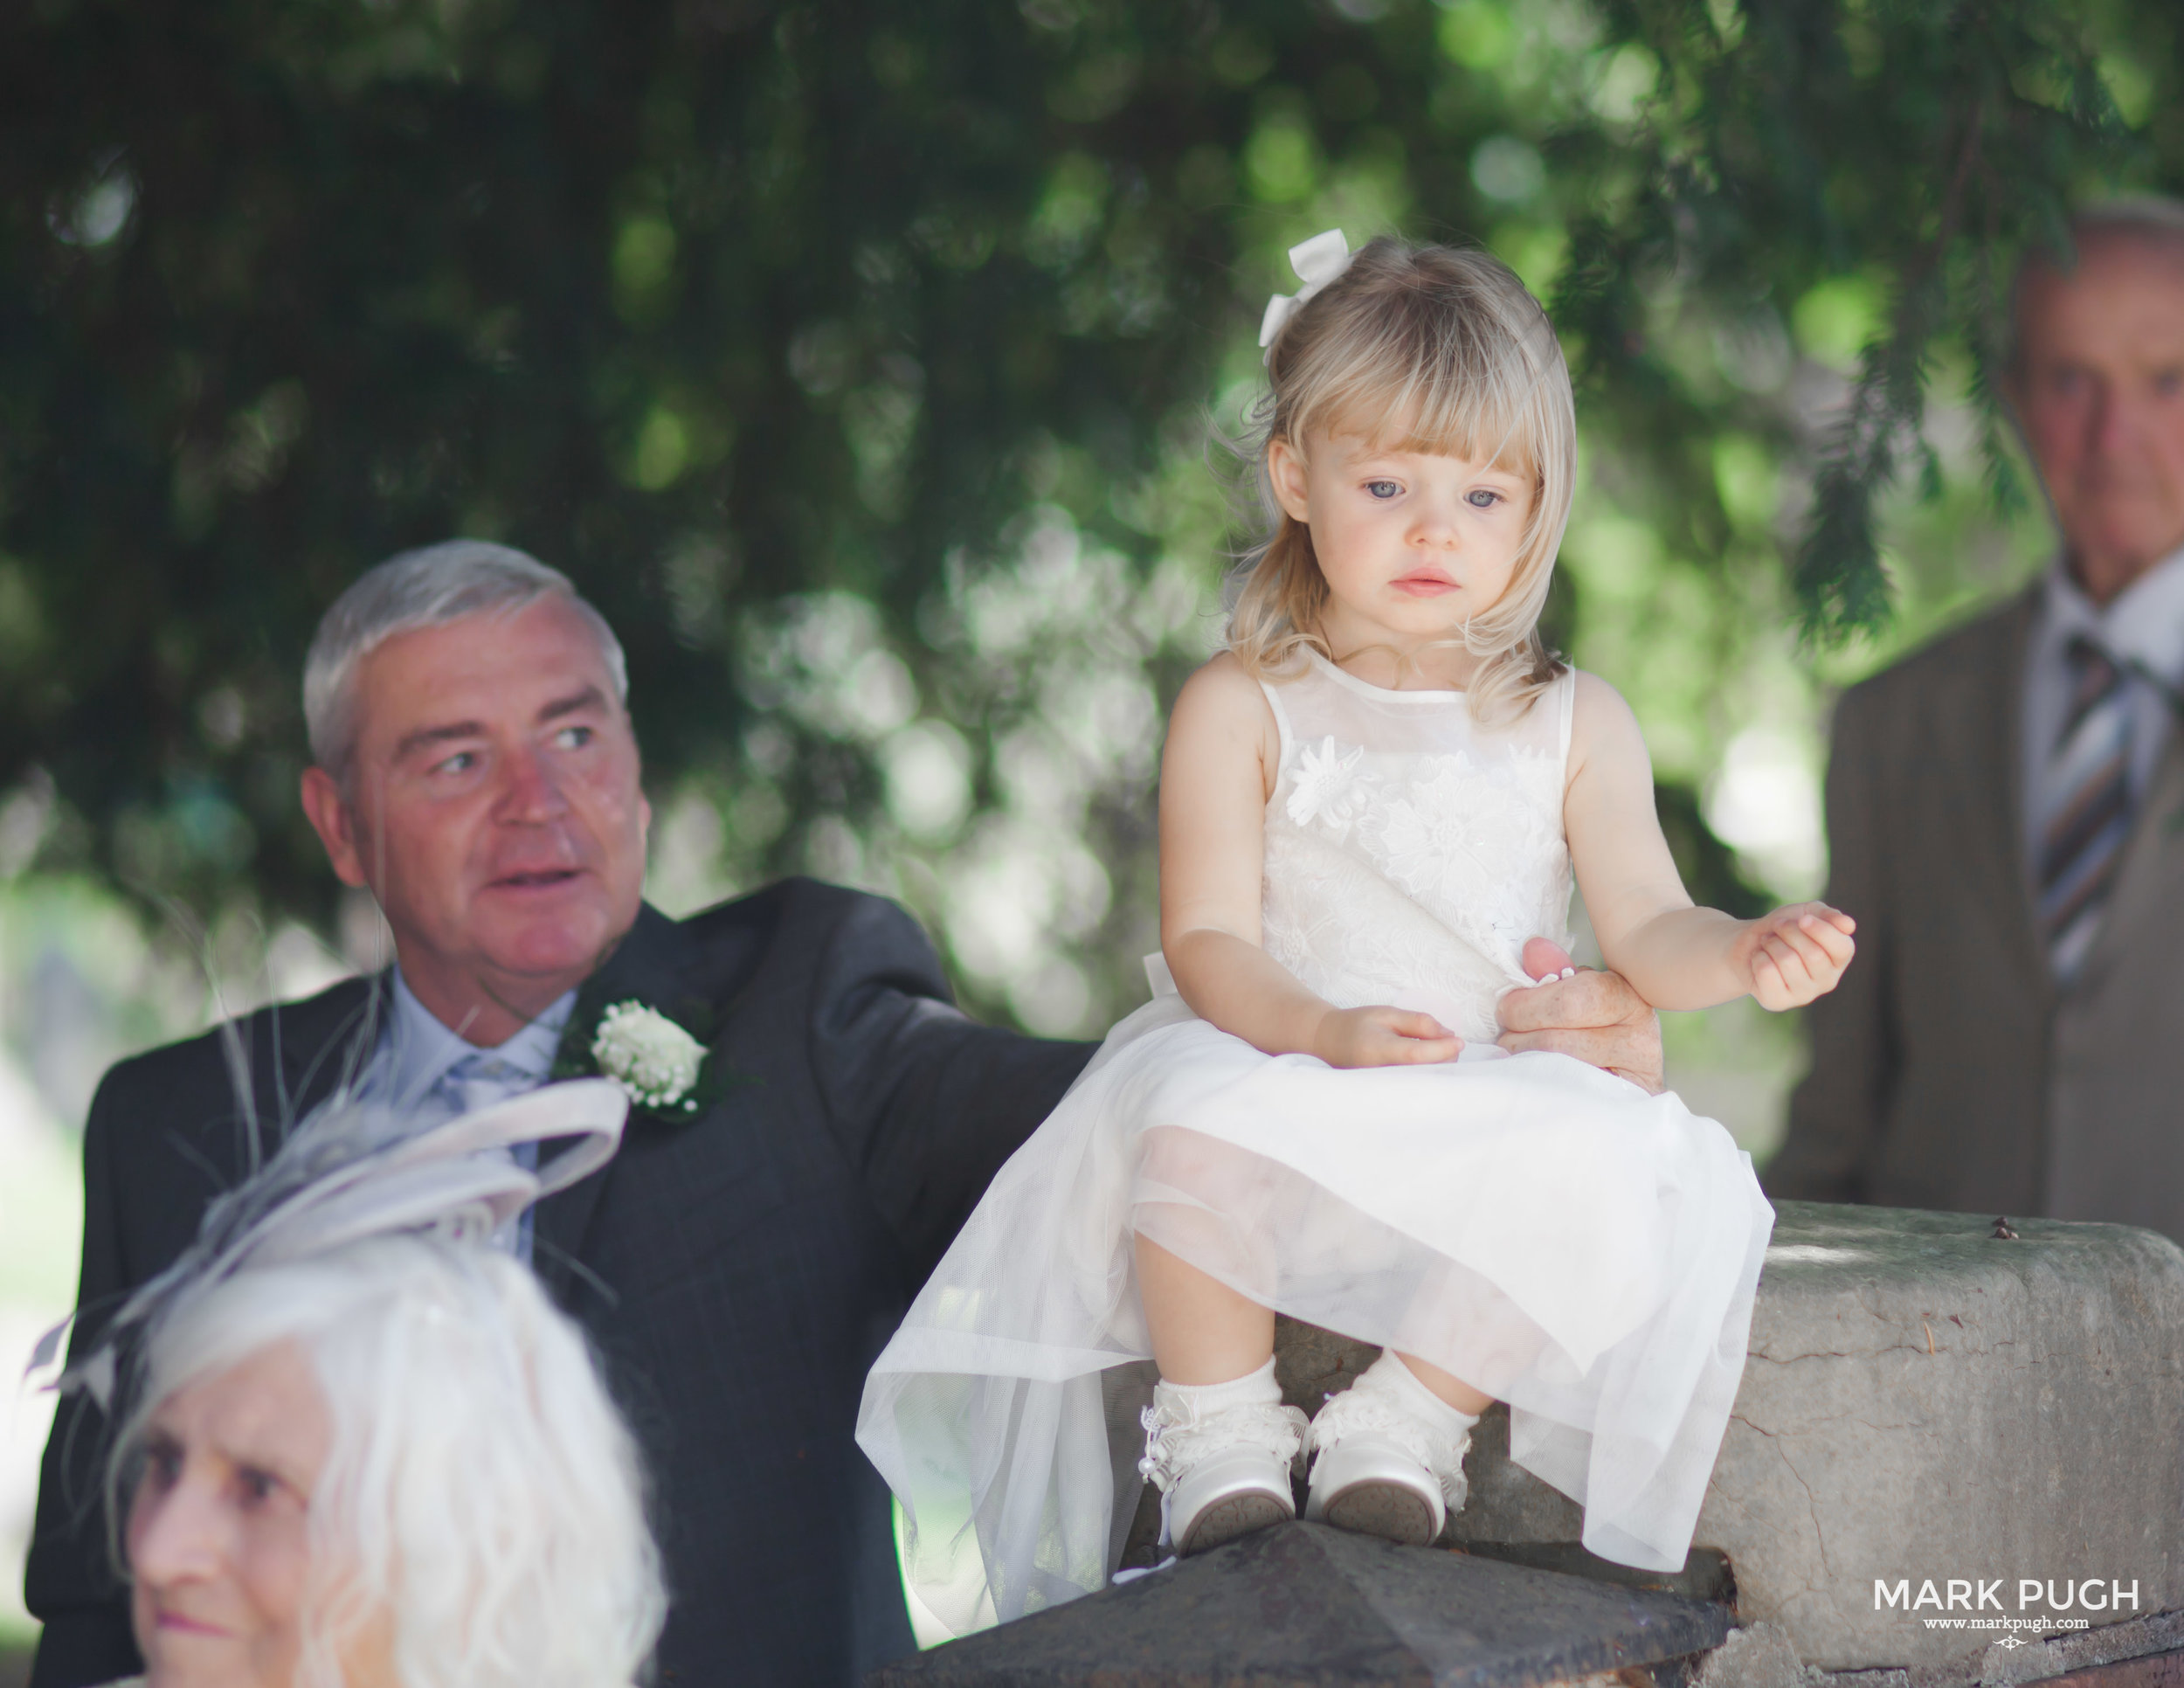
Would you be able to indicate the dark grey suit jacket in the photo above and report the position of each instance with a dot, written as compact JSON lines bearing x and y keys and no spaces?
{"x":1948,"y":1071}
{"x":737,"y":1272}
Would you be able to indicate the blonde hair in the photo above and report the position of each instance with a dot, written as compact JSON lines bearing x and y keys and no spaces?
{"x":1447,"y":346}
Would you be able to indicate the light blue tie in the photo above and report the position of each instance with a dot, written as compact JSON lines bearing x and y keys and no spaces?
{"x":479,"y":1081}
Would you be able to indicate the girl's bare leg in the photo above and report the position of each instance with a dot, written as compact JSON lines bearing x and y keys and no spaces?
{"x":1203,"y":1331}
{"x":1451,"y":1389}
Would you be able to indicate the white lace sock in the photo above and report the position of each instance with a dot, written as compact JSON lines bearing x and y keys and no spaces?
{"x":1449,"y":1420}
{"x":1187,"y":1422}
{"x":1390,"y":1400}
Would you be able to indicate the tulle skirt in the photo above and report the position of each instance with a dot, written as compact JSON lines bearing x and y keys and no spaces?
{"x":1543,"y":1231}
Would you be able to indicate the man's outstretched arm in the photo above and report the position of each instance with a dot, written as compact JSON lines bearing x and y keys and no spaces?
{"x":929,"y":1101}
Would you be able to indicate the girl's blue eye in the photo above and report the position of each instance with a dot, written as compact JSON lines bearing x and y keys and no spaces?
{"x":1481,"y":499}
{"x":1382,"y":489}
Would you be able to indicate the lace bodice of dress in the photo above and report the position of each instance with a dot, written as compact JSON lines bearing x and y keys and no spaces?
{"x":1410,"y":852}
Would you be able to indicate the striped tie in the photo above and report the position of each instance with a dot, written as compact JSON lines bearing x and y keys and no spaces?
{"x":2089,"y":777}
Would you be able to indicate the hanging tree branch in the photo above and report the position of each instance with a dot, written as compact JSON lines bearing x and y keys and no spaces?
{"x":1837,"y":576}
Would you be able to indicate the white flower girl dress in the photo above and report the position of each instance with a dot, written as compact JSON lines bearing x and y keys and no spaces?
{"x":1543,"y":1229}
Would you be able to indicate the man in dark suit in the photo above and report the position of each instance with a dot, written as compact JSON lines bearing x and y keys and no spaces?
{"x":2006,"y":812}
{"x":738,"y":1265}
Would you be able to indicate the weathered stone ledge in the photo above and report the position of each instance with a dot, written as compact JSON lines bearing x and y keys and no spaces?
{"x":1925,"y":1401}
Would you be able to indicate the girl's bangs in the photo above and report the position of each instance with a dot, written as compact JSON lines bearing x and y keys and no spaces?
{"x":1445,"y":405}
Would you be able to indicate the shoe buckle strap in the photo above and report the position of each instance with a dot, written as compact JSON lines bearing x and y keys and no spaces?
{"x":1351,"y":1414}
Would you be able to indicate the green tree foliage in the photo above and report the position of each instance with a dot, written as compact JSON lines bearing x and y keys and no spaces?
{"x":1779,"y":142}
{"x":857,"y":360}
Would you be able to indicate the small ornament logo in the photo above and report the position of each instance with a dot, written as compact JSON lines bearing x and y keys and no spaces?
{"x":653,"y":1059}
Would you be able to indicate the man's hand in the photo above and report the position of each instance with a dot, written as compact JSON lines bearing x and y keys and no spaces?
{"x":1594,"y":1016}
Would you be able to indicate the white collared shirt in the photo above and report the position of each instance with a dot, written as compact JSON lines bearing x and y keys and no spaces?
{"x":2145,"y":623}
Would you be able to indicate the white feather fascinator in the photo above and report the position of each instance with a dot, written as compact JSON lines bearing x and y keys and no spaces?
{"x":353,"y":1170}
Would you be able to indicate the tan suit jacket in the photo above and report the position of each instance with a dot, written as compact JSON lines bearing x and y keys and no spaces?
{"x":1948,"y":1071}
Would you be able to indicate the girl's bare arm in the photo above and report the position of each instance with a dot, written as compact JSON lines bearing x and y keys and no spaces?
{"x":1677,"y":956}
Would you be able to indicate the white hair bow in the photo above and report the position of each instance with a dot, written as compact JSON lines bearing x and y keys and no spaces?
{"x":1316,"y":261}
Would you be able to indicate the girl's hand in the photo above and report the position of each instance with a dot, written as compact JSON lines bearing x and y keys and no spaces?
{"x":1794,"y":954}
{"x":1383,"y":1037}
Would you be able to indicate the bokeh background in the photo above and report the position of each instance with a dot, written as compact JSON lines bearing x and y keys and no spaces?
{"x":871,"y":367}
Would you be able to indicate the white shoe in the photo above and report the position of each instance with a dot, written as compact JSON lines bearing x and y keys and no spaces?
{"x":1388,"y":1457}
{"x":1220,"y":1454}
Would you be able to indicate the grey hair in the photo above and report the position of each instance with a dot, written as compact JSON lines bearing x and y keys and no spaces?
{"x":480,"y":1493}
{"x":2154,"y":217}
{"x":408,"y":593}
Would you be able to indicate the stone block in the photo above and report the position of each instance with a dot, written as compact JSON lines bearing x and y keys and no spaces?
{"x":1303,"y":1605}
{"x":1925,"y":1401}
{"x":2166,"y":1671}
{"x":1757,"y":1657}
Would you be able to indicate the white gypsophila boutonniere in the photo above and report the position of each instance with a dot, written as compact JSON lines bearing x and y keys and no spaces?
{"x":654,"y":1061}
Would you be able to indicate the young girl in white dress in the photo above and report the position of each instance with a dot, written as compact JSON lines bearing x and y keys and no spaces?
{"x":1369,"y":803}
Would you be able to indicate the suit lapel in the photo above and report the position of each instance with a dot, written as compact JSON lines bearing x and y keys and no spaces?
{"x":283,"y":1063}
{"x":653,"y":964}
{"x":1981,"y":730}
{"x":323,"y":1043}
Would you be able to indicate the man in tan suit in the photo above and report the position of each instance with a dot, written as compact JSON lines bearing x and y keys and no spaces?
{"x":2006,"y":813}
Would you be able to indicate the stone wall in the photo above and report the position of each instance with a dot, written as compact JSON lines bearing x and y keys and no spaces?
{"x":1924,"y":1401}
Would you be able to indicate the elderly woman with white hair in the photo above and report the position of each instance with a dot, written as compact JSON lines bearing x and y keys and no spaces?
{"x":358,"y":1448}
